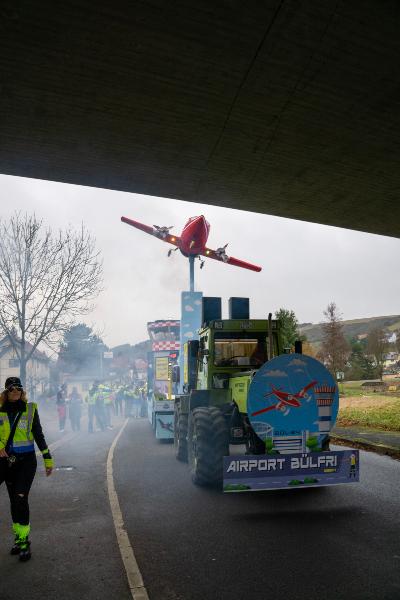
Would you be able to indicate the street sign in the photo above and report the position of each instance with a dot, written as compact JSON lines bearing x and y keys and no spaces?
{"x":108,"y":355}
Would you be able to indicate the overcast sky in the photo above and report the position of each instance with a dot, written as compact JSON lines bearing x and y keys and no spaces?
{"x":305,"y":266}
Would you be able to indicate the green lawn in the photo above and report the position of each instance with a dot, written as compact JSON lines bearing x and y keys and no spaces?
{"x":381,"y":417}
{"x":351,"y":389}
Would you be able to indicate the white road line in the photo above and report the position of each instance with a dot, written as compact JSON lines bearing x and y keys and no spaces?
{"x":133,"y":574}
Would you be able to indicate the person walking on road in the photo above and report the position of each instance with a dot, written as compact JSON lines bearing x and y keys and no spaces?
{"x":91,"y":402}
{"x":96,"y":399}
{"x":136,"y":405}
{"x":62,"y":406}
{"x":108,"y":405}
{"x":75,"y":409}
{"x":20,"y":428}
{"x":119,"y":399}
{"x":128,"y":396}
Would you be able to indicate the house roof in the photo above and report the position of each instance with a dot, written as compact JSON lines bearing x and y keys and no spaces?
{"x":6,"y":345}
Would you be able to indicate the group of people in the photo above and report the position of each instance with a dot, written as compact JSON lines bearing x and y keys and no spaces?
{"x":103,"y":401}
{"x":71,"y":404}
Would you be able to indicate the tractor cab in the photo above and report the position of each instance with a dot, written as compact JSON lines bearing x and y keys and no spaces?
{"x":231,"y":348}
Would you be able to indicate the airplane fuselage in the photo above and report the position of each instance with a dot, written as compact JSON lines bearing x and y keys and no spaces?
{"x":194,"y":236}
{"x":285,"y":398}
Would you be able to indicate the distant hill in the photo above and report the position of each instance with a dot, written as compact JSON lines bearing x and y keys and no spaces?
{"x":352,"y":328}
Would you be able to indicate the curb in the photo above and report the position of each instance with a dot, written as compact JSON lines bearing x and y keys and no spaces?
{"x":392,"y":451}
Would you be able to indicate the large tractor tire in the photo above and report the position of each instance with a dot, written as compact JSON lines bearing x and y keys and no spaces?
{"x":208,"y":443}
{"x":180,"y":436}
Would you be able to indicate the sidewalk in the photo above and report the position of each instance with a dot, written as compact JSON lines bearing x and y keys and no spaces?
{"x":366,"y":438}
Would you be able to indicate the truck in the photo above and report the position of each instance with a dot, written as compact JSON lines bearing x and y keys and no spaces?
{"x":161,"y":360}
{"x":242,"y":389}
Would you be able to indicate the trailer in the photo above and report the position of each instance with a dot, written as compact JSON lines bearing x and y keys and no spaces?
{"x":161,"y":360}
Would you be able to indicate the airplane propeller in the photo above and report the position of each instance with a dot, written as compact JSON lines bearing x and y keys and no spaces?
{"x":162,"y":231}
{"x":220,"y":252}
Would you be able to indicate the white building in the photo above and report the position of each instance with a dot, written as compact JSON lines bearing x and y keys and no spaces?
{"x":37,"y":368}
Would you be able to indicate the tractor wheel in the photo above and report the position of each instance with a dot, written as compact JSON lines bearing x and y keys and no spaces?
{"x":180,"y":436}
{"x":208,"y":443}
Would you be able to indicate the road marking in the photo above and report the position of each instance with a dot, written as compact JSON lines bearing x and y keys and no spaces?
{"x":133,"y":574}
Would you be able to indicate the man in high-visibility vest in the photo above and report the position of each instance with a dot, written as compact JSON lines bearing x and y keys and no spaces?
{"x":128,"y":395}
{"x":91,"y":402}
{"x":100,"y":410}
{"x":137,"y":399}
{"x":108,"y":402}
{"x":18,"y":458}
{"x":119,"y":398}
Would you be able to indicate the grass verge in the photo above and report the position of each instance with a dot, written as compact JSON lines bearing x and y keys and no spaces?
{"x":380,"y":413}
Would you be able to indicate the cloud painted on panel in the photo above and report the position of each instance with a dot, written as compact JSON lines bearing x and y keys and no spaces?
{"x":275,"y":373}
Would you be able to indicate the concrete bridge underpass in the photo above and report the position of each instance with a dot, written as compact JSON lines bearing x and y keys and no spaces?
{"x":284,"y":107}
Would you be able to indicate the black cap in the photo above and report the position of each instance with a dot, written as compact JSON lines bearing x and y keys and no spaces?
{"x":13,"y":382}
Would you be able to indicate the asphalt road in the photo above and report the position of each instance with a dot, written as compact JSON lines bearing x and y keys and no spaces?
{"x":193,"y":543}
{"x":199,"y":544}
{"x":75,"y":551}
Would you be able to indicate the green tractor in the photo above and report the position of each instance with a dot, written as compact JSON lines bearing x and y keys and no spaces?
{"x":211,"y":414}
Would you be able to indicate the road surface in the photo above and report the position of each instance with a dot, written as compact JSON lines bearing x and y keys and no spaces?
{"x":199,"y":544}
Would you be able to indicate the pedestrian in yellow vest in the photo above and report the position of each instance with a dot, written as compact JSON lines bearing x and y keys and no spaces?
{"x":91,"y":401}
{"x":20,"y":428}
{"x":108,"y":404}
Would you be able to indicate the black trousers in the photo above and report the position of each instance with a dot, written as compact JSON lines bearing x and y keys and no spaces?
{"x":18,"y":479}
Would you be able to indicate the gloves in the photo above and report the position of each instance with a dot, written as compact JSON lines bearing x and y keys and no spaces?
{"x":48,"y":461}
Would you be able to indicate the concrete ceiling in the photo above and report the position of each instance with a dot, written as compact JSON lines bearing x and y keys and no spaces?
{"x":290,"y":108}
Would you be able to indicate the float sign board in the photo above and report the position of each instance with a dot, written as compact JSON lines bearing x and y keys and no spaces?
{"x":253,"y":473}
{"x":161,"y":368}
{"x":164,"y":426}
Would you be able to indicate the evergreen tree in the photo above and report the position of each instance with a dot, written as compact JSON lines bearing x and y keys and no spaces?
{"x":289,"y":327}
{"x":361,"y":365}
{"x":81,"y":351}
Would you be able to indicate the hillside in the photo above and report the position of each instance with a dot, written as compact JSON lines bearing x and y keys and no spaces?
{"x":352,"y":328}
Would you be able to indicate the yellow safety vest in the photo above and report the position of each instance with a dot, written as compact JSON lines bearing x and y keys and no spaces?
{"x":23,"y":440}
{"x":91,"y":398}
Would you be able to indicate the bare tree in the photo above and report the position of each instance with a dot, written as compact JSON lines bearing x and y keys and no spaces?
{"x":335,"y":349}
{"x":46,"y":280}
{"x":377,"y":347}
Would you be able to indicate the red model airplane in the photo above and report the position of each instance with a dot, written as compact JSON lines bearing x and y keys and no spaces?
{"x":192,"y":241}
{"x":286,"y":399}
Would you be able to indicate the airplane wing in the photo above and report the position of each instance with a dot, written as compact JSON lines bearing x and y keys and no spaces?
{"x":264,"y":410}
{"x":306,"y":388}
{"x":165,"y":237}
{"x":230,"y":260}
